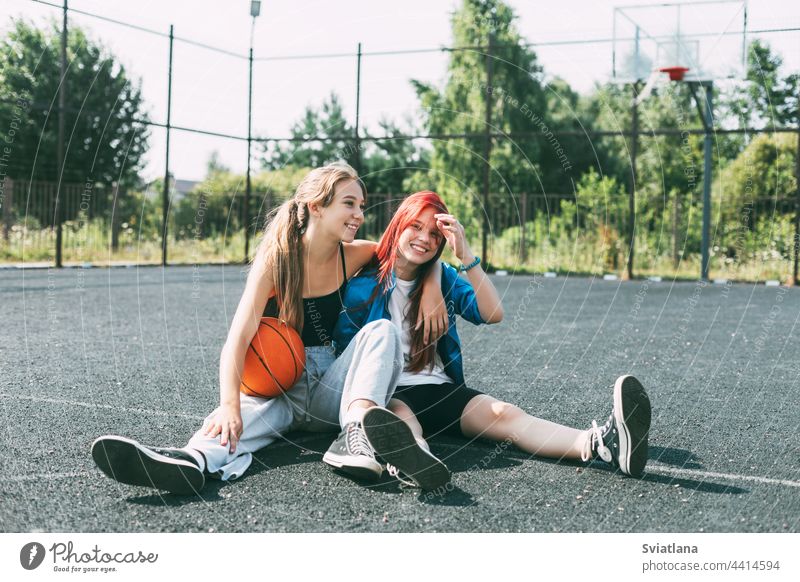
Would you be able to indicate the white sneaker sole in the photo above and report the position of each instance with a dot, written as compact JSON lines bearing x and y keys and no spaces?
{"x":632,"y":413}
{"x":359,"y":466}
{"x":129,"y":462}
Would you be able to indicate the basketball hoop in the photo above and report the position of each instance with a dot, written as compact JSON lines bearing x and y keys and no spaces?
{"x":675,"y":73}
{"x":656,"y":78}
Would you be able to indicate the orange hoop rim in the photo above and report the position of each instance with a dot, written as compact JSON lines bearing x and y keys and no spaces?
{"x":675,"y":73}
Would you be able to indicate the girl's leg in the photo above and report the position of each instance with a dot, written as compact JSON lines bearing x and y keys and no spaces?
{"x":490,"y":418}
{"x":364,"y":376}
{"x":402,"y":410}
{"x":366,"y":373}
{"x":262,"y":422}
{"x":181,"y":471}
{"x":397,"y":436}
{"x":622,"y":441}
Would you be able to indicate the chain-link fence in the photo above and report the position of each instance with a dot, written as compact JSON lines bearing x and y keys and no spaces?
{"x":624,"y":228}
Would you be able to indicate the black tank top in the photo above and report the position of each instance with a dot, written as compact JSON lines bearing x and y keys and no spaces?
{"x":320,"y":313}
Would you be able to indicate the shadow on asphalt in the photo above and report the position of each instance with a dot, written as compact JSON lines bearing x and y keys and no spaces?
{"x":447,"y":496}
{"x":461,"y":456}
{"x":293,"y":449}
{"x":169,"y":500}
{"x":481,"y":455}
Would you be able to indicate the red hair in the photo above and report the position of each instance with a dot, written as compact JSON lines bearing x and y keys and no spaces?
{"x":386,"y":254}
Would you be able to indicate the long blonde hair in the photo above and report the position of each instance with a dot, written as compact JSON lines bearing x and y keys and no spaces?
{"x":281,"y":246}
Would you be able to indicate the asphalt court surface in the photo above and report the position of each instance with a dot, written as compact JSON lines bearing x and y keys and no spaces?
{"x":85,"y":352}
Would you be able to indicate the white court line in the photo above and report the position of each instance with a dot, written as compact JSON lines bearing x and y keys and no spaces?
{"x":102,"y":406}
{"x":677,"y":471}
{"x":712,"y":475}
{"x":650,"y":469}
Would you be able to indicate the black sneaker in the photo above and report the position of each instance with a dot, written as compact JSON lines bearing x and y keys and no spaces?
{"x":351,"y":453}
{"x":622,"y":441}
{"x":132,"y":463}
{"x":393,"y":440}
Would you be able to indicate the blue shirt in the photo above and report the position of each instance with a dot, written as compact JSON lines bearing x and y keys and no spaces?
{"x":459,"y":297}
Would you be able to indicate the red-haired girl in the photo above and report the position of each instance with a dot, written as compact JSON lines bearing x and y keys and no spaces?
{"x":432,"y":397}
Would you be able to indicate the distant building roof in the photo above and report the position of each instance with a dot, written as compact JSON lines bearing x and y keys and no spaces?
{"x":183,"y":187}
{"x":180,"y":188}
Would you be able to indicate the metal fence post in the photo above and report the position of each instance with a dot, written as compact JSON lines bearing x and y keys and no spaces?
{"x":116,"y":216}
{"x":165,"y":201}
{"x":487,"y":153}
{"x":707,"y":145}
{"x":676,"y":221}
{"x":60,"y":157}
{"x":634,"y":179}
{"x":796,"y":245}
{"x":387,"y":216}
{"x":358,"y":111}
{"x":248,"y":185}
{"x":7,"y":202}
{"x":523,"y":243}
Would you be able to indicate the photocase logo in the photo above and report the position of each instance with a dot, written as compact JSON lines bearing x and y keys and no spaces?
{"x":31,"y":555}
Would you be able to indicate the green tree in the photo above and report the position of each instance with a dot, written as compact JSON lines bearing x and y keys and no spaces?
{"x":567,"y":112}
{"x":327,"y":121}
{"x":755,"y":198}
{"x":388,"y":163}
{"x":102,"y":144}
{"x":385,"y":163}
{"x":215,"y":165}
{"x":767,"y":98}
{"x":598,"y":215}
{"x":581,"y":233}
{"x":518,"y":105}
{"x":214,"y":207}
{"x":669,"y":167}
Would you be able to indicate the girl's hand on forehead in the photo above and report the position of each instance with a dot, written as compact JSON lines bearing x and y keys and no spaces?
{"x":453,"y":232}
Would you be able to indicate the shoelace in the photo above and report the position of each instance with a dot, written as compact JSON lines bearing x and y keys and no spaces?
{"x":357,"y":441}
{"x":169,"y":453}
{"x":400,"y":476}
{"x":595,"y":439}
{"x":395,"y":472}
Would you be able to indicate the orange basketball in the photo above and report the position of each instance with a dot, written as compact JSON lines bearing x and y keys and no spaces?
{"x":275,"y":360}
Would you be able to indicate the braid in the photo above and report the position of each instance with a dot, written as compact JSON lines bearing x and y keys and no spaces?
{"x":297,"y":218}
{"x":302,"y":217}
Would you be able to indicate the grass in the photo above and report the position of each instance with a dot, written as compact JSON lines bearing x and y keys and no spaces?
{"x":91,"y":245}
{"x":581,"y":255}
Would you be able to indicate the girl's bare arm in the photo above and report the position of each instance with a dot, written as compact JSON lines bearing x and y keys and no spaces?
{"x":489,"y":304}
{"x":432,"y":308}
{"x":228,"y":420}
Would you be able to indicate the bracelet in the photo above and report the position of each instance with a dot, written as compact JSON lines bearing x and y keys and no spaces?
{"x":473,"y":264}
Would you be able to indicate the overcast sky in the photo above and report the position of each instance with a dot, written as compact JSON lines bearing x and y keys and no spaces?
{"x":210,"y":89}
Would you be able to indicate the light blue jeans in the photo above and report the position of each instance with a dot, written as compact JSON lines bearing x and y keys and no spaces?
{"x":368,"y":369}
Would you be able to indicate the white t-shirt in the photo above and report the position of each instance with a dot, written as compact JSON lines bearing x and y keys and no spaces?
{"x":399,"y":303}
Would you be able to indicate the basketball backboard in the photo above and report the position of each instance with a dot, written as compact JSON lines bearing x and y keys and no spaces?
{"x":709,"y":38}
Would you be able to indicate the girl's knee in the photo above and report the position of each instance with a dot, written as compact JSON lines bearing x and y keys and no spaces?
{"x":384,"y":336}
{"x":404,"y":412}
{"x":400,"y":408}
{"x":382,"y":328}
{"x":504,"y":412}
